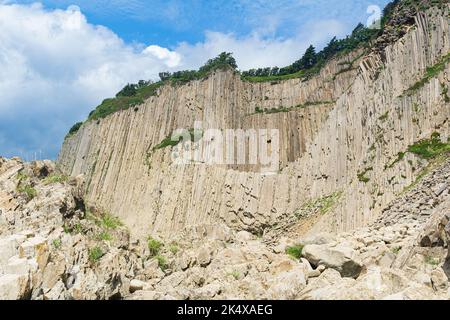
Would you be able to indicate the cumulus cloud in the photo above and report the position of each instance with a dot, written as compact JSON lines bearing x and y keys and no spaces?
{"x":256,"y":50}
{"x":55,"y":67}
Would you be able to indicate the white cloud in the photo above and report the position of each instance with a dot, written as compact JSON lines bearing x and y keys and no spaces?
{"x":255,"y":50}
{"x":55,"y":67}
{"x":171,"y":59}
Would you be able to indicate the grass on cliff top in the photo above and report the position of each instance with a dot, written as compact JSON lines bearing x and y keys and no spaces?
{"x":122,"y":102}
{"x":74,"y":129}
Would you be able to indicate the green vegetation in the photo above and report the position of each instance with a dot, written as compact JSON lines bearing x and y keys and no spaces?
{"x":430,"y":73}
{"x":173,"y":140}
{"x":235,"y":274}
{"x":321,"y":205}
{"x":95,"y":254}
{"x":22,"y":176}
{"x":66,"y":229}
{"x":444,"y":92}
{"x":123,"y":100}
{"x":154,"y":246}
{"x":295,"y":251}
{"x":173,"y":248}
{"x":258,"y":110}
{"x":432,"y":261}
{"x":396,"y":250}
{"x":311,"y":62}
{"x":104,"y":236}
{"x":384,"y":116}
{"x":74,"y":129}
{"x":55,"y":178}
{"x":28,"y":190}
{"x":56,"y":243}
{"x":399,"y":158}
{"x":110,"y":222}
{"x":162,"y":262}
{"x":362,"y":175}
{"x":77,"y":228}
{"x":433,"y":150}
{"x":223,"y":61}
{"x":430,"y":148}
{"x":135,"y":94}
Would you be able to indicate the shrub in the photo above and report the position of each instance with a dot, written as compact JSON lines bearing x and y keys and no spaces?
{"x":154,"y":246}
{"x":429,"y":148}
{"x":74,"y":129}
{"x":21,"y":176}
{"x":128,"y":91}
{"x":173,"y":248}
{"x":162,"y":262}
{"x":174,"y":140}
{"x":123,"y":102}
{"x":295,"y":251}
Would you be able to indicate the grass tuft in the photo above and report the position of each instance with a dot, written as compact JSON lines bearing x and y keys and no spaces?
{"x":95,"y":254}
{"x":295,"y":251}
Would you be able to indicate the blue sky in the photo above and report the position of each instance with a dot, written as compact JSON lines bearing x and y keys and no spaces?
{"x":59,"y":59}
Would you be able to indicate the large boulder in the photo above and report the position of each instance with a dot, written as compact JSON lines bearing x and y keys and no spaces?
{"x":342,"y":259}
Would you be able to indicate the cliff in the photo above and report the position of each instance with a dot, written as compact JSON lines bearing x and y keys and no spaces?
{"x":344,"y":136}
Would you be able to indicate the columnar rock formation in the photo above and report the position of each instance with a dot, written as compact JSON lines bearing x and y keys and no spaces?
{"x":52,"y":246}
{"x":344,"y":143}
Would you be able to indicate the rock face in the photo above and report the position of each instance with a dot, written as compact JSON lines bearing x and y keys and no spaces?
{"x":349,"y":146}
{"x":56,"y":248}
{"x":361,"y":217}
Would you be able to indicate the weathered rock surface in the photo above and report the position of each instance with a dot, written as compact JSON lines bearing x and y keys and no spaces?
{"x":51,"y":256}
{"x":347,"y":148}
{"x":358,"y":212}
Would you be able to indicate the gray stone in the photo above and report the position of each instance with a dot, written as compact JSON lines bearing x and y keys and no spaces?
{"x":341,"y":259}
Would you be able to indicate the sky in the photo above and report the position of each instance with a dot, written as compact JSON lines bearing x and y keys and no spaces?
{"x":60,"y":59}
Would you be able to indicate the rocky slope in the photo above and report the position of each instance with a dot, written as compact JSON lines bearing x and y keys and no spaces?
{"x":53,"y":247}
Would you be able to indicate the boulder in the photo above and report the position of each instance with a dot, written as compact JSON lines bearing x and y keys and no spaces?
{"x":14,"y":287}
{"x":136,"y":285}
{"x":204,"y":257}
{"x":342,"y":259}
{"x":8,"y":249}
{"x":17,"y":266}
{"x":287,"y":285}
{"x":439,"y":279}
